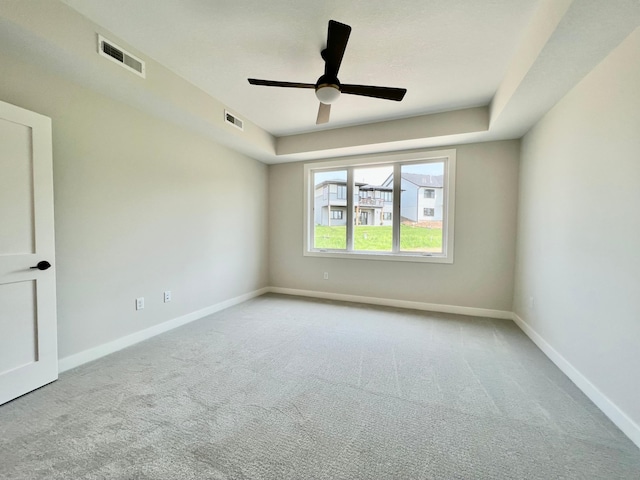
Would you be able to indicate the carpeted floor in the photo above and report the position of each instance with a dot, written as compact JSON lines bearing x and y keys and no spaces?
{"x":290,"y":388}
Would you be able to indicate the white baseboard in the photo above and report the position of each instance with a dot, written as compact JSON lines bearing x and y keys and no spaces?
{"x":610,"y":409}
{"x":94,"y":353}
{"x":388,"y":302}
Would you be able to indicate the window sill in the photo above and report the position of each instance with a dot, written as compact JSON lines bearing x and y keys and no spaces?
{"x":384,"y":256}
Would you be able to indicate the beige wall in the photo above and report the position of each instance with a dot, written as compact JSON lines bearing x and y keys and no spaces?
{"x":141,"y":206}
{"x":482,"y":273}
{"x":579,"y":228}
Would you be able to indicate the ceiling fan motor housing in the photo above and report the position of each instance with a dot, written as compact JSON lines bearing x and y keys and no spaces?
{"x":328,"y":89}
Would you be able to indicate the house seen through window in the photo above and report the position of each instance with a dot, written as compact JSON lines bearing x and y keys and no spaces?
{"x":396,"y":208}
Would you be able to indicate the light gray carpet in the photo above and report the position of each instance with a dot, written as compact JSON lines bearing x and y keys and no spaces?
{"x":290,"y":388}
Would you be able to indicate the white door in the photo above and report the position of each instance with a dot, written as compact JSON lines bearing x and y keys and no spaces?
{"x":28,"y":344}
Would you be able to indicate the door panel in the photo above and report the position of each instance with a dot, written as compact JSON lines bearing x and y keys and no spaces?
{"x":16,"y":192}
{"x":18,"y":324}
{"x":28,"y":330}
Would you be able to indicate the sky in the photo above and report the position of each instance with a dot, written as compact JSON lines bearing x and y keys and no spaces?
{"x":377,"y":175}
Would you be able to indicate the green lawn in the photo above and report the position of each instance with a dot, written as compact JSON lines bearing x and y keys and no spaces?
{"x":377,"y":238}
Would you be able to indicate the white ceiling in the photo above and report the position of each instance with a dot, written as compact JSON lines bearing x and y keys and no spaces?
{"x":449,"y":54}
{"x":475,"y":71}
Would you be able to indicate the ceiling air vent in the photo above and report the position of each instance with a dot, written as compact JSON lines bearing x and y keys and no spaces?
{"x":113,"y":52}
{"x":233,"y":120}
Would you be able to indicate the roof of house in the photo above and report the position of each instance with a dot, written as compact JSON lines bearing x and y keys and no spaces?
{"x":424,"y":180}
{"x":376,"y":187}
{"x":362,"y":185}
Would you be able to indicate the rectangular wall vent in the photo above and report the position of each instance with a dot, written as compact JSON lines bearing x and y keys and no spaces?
{"x":233,"y":120}
{"x":113,"y":52}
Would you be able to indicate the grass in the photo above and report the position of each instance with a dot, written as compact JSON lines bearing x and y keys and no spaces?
{"x":378,"y":238}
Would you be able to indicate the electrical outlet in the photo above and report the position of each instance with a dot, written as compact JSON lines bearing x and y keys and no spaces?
{"x":326,"y":275}
{"x":167,"y":296}
{"x":139,"y":303}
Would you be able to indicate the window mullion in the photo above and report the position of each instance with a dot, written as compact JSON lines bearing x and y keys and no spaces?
{"x":395,"y":245}
{"x":350,"y":189}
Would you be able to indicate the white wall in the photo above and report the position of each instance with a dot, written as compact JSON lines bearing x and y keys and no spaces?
{"x":141,"y":206}
{"x":482,"y":273}
{"x":579,"y":229}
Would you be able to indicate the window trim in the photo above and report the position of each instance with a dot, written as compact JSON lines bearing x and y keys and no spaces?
{"x":396,"y":160}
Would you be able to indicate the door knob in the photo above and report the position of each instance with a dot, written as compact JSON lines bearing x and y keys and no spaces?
{"x":43,"y":265}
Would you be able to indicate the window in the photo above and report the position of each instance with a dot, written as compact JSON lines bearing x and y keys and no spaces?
{"x":387,"y":207}
{"x":368,"y":232}
{"x":327,"y":234}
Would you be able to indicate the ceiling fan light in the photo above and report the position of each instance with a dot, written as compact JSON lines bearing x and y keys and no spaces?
{"x":327,"y":94}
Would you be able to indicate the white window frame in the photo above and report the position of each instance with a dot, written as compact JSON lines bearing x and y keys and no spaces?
{"x":395,"y":159}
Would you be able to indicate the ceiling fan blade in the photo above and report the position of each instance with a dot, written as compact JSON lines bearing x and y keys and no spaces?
{"x":323,"y":113}
{"x":273,"y":83}
{"x":387,"y":93}
{"x":337,"y":38}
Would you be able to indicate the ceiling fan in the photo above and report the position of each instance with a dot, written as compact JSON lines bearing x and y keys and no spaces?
{"x":328,"y":88}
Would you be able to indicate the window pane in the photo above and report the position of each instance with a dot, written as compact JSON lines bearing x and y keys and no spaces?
{"x":330,"y":210}
{"x":373,"y":207}
{"x":421,"y":207}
